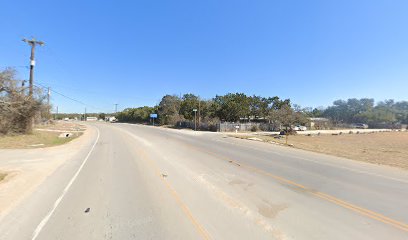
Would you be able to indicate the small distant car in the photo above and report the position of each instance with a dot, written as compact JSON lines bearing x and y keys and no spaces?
{"x":299,"y":128}
{"x":360,"y":125}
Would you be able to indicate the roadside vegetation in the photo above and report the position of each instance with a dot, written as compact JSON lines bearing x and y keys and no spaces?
{"x":19,"y":110}
{"x":232,"y":107}
{"x":281,"y":113}
{"x":384,"y":114}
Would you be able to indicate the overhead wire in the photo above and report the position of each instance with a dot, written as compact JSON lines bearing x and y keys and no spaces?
{"x":60,"y":64}
{"x":5,"y":67}
{"x":67,"y":97}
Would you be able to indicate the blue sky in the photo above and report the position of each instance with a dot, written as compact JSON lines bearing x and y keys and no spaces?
{"x":134,"y":52}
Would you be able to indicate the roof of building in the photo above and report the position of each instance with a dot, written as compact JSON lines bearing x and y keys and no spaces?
{"x":319,"y":119}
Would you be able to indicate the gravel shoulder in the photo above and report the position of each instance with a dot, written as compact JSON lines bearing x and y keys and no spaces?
{"x":25,"y":169}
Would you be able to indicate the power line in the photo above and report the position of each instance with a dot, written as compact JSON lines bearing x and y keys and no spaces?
{"x":67,"y":97}
{"x":5,"y":67}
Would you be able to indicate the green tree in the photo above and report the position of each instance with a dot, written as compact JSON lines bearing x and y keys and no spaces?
{"x":102,"y":116}
{"x":287,"y":117}
{"x":188,"y":103}
{"x":232,"y":106}
{"x":169,"y":109}
{"x":136,"y":115}
{"x":255,"y":106}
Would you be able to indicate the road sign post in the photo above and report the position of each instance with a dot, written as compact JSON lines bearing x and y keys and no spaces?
{"x":153,"y":116}
{"x":195,"y":119}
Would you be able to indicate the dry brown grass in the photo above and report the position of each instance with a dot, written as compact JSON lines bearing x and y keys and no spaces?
{"x":34,"y":140}
{"x":386,"y":148}
{"x":62,"y":125}
{"x":39,"y":139}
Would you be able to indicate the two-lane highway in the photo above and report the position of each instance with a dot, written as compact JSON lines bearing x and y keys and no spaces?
{"x":141,"y":182}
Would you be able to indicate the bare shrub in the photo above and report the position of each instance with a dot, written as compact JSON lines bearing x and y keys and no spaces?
{"x":17,"y":110}
{"x":254,"y":128}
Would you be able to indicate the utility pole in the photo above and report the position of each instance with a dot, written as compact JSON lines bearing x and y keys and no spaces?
{"x":199,"y":112}
{"x":32,"y":43}
{"x":85,"y":115}
{"x":48,"y":103}
{"x":48,"y":96}
{"x":116,"y":108}
{"x":56,"y":115}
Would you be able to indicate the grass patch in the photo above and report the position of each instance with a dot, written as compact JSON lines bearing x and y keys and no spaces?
{"x":35,"y":140}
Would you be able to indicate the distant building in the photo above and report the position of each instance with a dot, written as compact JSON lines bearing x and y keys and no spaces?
{"x":319,"y":123}
{"x":91,"y":119}
{"x":111,"y":119}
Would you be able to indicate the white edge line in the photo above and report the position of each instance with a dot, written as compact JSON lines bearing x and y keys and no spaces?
{"x":58,"y":201}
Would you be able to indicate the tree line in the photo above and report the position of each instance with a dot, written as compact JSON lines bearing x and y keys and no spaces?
{"x":231,"y":107}
{"x":365,"y":110}
{"x":19,"y":110}
{"x":238,"y":107}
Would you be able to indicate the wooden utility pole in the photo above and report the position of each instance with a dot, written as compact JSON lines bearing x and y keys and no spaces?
{"x":33,"y":42}
{"x":48,"y":96}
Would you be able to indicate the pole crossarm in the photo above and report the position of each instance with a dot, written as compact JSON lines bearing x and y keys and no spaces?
{"x":33,"y":42}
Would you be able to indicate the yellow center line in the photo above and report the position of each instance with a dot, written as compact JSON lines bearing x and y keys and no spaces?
{"x":327,"y":197}
{"x":200,"y":229}
{"x":365,"y":212}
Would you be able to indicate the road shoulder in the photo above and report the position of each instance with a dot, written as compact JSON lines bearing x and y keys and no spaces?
{"x":27,"y":168}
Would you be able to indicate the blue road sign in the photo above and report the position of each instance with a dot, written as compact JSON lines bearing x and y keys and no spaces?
{"x":153,"y":115}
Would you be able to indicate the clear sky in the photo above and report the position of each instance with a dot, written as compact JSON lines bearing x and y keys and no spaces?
{"x":133,"y":52}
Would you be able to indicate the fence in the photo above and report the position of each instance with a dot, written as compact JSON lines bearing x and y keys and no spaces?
{"x":229,"y":127}
{"x":246,"y":127}
{"x":201,"y":126}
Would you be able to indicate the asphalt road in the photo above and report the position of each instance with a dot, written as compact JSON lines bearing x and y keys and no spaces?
{"x":140,"y":182}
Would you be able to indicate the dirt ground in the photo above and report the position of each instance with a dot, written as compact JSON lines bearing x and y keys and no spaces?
{"x":62,"y":126}
{"x":42,"y":136}
{"x":27,"y":168}
{"x":2,"y":176}
{"x":386,"y":148}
